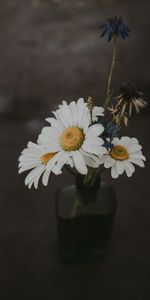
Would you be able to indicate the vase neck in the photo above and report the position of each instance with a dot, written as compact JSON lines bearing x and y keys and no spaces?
{"x":87,"y":193}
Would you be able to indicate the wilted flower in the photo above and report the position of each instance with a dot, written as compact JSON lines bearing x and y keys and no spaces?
{"x":129,"y":99}
{"x":115,"y":26}
{"x":90,"y":103}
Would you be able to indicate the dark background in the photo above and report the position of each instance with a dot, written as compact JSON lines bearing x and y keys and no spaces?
{"x":50,"y":51}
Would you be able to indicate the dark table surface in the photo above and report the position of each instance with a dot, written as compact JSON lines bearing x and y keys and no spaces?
{"x":47,"y":54}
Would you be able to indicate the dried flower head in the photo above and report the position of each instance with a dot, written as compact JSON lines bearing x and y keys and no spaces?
{"x":90,"y":103}
{"x":130,"y":99}
{"x":115,"y":26}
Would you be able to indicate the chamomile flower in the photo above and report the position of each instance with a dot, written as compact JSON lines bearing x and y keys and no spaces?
{"x":72,"y":137}
{"x":35,"y":159}
{"x":122,"y":156}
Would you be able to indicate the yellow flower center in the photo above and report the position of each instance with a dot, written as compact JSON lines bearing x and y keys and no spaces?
{"x":72,"y":139}
{"x":119,"y":153}
{"x":46,"y":157}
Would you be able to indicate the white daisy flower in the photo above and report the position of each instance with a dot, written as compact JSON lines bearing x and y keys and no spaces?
{"x":97,"y":111}
{"x":124,"y":154}
{"x":72,"y":138}
{"x":34,"y":158}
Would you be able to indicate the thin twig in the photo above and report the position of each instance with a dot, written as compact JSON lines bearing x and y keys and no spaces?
{"x":91,"y":116}
{"x":108,"y":95}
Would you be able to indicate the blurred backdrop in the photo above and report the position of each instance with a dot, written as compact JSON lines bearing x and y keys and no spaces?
{"x":51,"y":50}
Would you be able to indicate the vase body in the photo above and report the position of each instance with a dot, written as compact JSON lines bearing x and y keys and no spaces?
{"x":84,"y":220}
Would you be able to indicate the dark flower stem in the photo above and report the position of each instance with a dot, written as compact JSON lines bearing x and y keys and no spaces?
{"x":70,"y":170}
{"x":109,"y":90}
{"x":90,"y":178}
{"x":91,"y":116}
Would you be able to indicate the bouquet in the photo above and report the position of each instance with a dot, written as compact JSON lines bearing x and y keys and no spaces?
{"x":85,"y":138}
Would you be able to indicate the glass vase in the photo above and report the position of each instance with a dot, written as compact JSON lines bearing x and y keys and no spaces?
{"x":84,"y":220}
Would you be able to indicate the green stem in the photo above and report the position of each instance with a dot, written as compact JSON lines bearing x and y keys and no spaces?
{"x":108,"y":95}
{"x":91,"y":116}
{"x":70,"y":170}
{"x":88,"y":179}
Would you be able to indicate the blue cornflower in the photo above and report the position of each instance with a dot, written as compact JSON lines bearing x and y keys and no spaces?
{"x":115,"y":26}
{"x":111,"y":131}
{"x":108,"y":145}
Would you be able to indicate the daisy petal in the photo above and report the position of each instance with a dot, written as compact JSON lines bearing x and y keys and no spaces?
{"x":133,"y":148}
{"x":125,"y":140}
{"x":33,"y":146}
{"x":91,"y":156}
{"x":67,"y":114}
{"x":97,"y":150}
{"x":53,"y":160}
{"x":51,"y":148}
{"x":95,"y":130}
{"x":116,"y":141}
{"x":97,"y":111}
{"x":79,"y":162}
{"x":28,"y":167}
{"x":28,"y":151}
{"x":120,"y":167}
{"x":60,"y":118}
{"x":36,"y":180}
{"x":60,"y":163}
{"x":114,"y":172}
{"x":129,"y":170}
{"x":85,"y":121}
{"x":109,"y":162}
{"x":34,"y":173}
{"x":30,"y":184}
{"x":70,"y":162}
{"x":134,"y":141}
{"x":73,"y":110}
{"x":50,"y":131}
{"x":90,"y":162}
{"x":138,"y":162}
{"x":55,"y":124}
{"x":81,"y":109}
{"x":96,"y":141}
{"x":28,"y":158}
{"x":45,"y":177}
{"x":137,"y":156}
